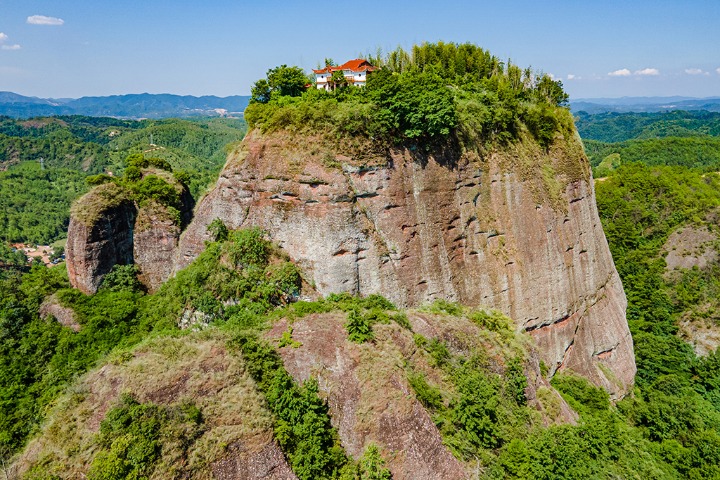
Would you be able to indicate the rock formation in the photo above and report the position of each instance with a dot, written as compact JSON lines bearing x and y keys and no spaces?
{"x":99,"y":236}
{"x":108,"y":228}
{"x":516,"y":230}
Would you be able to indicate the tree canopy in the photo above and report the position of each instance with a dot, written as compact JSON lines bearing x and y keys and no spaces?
{"x":283,"y":81}
{"x":428,"y":93}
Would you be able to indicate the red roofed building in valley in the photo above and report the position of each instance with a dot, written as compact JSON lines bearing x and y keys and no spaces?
{"x":354,"y":71}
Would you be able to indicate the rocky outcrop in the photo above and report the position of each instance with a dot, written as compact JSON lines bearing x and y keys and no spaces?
{"x":108,"y":228}
{"x":155,"y":239}
{"x":368,"y":395}
{"x":65,"y":316}
{"x":100,"y":236}
{"x":516,"y":230}
{"x":236,"y":438}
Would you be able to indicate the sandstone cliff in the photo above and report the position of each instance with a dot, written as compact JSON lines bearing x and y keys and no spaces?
{"x":99,"y":236}
{"x":109,"y":227}
{"x":516,"y":230}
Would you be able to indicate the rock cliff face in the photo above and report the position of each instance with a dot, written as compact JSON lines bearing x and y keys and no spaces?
{"x":99,"y":236}
{"x":516,"y":230}
{"x":369,"y":397}
{"x":107,"y":228}
{"x":154,"y":242}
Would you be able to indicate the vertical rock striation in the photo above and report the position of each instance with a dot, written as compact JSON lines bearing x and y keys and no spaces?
{"x":100,"y":236}
{"x":108,"y":228}
{"x":516,"y":230}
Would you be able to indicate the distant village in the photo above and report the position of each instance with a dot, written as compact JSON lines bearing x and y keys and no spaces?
{"x":45,"y":253}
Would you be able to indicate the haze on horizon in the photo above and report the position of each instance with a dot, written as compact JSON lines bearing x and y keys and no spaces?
{"x":62,"y":49}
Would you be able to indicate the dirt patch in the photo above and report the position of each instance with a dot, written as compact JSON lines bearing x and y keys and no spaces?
{"x":266,"y":464}
{"x":690,"y":246}
{"x":51,"y":307}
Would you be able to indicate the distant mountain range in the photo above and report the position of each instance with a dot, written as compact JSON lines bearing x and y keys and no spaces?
{"x":147,"y":105}
{"x":644,"y":104}
{"x":132,"y":106}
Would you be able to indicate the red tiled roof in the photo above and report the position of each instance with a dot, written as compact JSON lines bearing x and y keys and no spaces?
{"x":357,"y":65}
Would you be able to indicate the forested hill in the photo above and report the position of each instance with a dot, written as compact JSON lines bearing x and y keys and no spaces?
{"x":687,"y":138}
{"x":618,"y":127}
{"x":44,"y":162}
{"x":133,"y":106}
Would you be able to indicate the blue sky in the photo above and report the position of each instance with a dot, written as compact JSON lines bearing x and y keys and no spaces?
{"x":60,"y":48}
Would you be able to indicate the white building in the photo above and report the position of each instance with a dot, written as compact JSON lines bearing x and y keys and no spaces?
{"x":355,"y":72}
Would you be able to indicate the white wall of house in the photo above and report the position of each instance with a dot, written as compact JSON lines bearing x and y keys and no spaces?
{"x":357,"y":78}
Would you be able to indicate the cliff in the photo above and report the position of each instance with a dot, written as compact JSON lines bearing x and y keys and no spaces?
{"x":516,"y":230}
{"x":99,"y":236}
{"x":114,"y":225}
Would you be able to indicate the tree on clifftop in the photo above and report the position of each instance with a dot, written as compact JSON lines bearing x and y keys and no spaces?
{"x":286,"y":81}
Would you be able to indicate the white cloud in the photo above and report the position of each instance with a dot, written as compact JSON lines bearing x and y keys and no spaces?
{"x":648,"y":71}
{"x":572,"y":76}
{"x":694,"y":71}
{"x":718,"y":70}
{"x":624,"y":72}
{"x":43,"y":20}
{"x":3,"y":43}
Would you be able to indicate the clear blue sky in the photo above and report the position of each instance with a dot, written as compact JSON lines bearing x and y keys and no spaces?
{"x":610,"y":48}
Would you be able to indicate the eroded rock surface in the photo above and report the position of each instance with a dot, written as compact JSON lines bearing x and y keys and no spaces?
{"x":100,"y":236}
{"x":518,"y":231}
{"x":369,"y":398}
{"x":108,"y":228}
{"x":155,"y":239}
{"x":51,"y":307}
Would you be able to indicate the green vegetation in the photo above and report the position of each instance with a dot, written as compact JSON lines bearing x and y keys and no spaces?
{"x":35,"y":203}
{"x":691,"y":152}
{"x":10,"y":257}
{"x":147,"y":183}
{"x":44,"y":163}
{"x":302,"y":423}
{"x":480,"y":404}
{"x":620,"y":127}
{"x":38,"y":358}
{"x":432,"y":93}
{"x":689,"y":139}
{"x":132,"y":435}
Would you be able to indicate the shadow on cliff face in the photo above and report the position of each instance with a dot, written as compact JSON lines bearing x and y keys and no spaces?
{"x":446,"y":152}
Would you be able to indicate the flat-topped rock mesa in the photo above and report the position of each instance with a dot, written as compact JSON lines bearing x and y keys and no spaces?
{"x":515,"y":229}
{"x":109,"y":226}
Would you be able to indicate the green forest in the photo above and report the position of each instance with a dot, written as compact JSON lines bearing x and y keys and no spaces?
{"x":689,"y":139}
{"x":424,"y":95}
{"x":44,"y":163}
